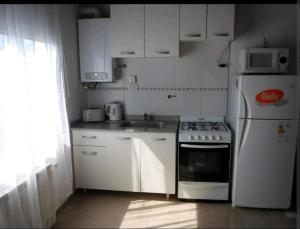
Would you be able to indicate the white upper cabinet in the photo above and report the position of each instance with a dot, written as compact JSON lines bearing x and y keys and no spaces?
{"x":127,"y":31}
{"x":193,"y":22}
{"x":220,"y":22}
{"x":162,"y":30}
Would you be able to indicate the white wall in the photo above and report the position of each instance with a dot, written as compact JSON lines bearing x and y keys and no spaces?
{"x":197,"y":67}
{"x":75,"y":97}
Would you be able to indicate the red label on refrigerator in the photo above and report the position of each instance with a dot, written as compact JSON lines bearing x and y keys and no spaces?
{"x":269,"y":96}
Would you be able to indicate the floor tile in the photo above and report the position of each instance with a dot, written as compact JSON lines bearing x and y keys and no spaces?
{"x":104,"y":209}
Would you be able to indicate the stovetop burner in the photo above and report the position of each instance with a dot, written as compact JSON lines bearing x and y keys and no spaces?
{"x":203,"y":126}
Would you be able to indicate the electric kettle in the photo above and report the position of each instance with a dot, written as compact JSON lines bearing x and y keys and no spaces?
{"x":113,"y":111}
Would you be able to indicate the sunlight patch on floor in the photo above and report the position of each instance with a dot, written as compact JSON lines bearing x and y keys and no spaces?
{"x":162,"y":214}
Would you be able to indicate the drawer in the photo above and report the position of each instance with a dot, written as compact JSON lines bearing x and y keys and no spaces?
{"x":88,"y":137}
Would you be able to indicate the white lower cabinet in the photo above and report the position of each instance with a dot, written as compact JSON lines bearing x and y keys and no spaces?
{"x":158,"y":160}
{"x":90,"y":167}
{"x":136,"y":162}
{"x":124,"y":161}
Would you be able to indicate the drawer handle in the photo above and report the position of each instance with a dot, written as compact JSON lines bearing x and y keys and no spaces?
{"x":221,"y":34}
{"x":160,"y":139}
{"x":89,"y":153}
{"x":163,"y":52}
{"x":93,"y":137}
{"x":126,"y":138}
{"x":127,"y":52}
{"x":193,"y":35}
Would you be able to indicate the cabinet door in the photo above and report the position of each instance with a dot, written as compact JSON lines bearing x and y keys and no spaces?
{"x":90,"y":166}
{"x":193,"y":22}
{"x":162,"y":30}
{"x":158,"y":162}
{"x":124,"y":161}
{"x":220,"y":22}
{"x":127,"y":31}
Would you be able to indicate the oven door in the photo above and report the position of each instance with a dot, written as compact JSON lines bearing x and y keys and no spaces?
{"x":201,"y":162}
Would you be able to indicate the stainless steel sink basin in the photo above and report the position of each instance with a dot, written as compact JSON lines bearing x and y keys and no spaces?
{"x":143,"y":124}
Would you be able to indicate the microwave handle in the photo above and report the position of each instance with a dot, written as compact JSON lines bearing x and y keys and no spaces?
{"x":204,"y":146}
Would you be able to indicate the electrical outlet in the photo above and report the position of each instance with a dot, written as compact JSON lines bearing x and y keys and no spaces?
{"x":132,"y":79}
{"x":132,"y":82}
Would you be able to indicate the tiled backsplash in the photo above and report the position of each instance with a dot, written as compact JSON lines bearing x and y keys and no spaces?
{"x":199,"y":85}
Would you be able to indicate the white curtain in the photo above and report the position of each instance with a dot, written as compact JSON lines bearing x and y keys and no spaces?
{"x":35,"y":174}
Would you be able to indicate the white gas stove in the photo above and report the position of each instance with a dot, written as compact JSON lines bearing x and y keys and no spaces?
{"x":204,"y":158}
{"x":203,"y":129}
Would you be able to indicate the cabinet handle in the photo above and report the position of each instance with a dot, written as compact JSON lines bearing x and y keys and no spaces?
{"x":94,"y":137}
{"x":89,"y":153}
{"x":126,"y":138}
{"x":221,"y":34}
{"x":193,"y":35}
{"x":163,"y":52}
{"x":160,"y":139}
{"x":127,"y":52}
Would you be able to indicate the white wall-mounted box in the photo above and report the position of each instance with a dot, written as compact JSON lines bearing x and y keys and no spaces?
{"x":94,"y":50}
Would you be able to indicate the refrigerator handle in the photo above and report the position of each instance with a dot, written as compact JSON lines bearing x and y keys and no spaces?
{"x":246,"y":124}
{"x":245,"y":130}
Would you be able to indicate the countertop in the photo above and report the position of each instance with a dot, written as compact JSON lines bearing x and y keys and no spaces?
{"x":170,"y":125}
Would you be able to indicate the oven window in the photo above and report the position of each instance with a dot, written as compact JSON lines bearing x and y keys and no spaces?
{"x":261,"y":60}
{"x":204,"y":165}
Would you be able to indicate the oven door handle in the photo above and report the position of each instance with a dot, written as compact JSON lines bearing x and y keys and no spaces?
{"x":204,"y":146}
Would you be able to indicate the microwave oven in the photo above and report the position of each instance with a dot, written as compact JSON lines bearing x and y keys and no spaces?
{"x":263,"y":60}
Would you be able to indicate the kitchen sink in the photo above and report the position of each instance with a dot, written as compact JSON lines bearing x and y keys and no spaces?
{"x":143,"y":124}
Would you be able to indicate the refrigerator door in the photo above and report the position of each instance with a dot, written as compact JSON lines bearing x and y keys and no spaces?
{"x":266,"y":97}
{"x":264,"y":163}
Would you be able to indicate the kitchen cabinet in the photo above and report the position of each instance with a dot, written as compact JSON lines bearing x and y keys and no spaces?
{"x":127,"y":30}
{"x":94,"y":50}
{"x":193,"y":22}
{"x":90,"y":156}
{"x":90,"y":167}
{"x":162,"y":30}
{"x":220,"y":22}
{"x":158,"y":160}
{"x":123,"y":161}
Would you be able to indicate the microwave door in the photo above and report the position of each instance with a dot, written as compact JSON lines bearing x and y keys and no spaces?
{"x":262,"y":61}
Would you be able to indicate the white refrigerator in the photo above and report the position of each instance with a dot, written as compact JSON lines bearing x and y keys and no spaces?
{"x":265,"y":128}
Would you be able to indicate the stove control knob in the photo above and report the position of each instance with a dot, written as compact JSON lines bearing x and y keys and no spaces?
{"x":218,"y":138}
{"x":210,"y":138}
{"x":203,"y":137}
{"x":190,"y":137}
{"x":197,"y":137}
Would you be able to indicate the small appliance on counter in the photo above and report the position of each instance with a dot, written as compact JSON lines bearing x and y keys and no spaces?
{"x":93,"y":115}
{"x":113,"y":111}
